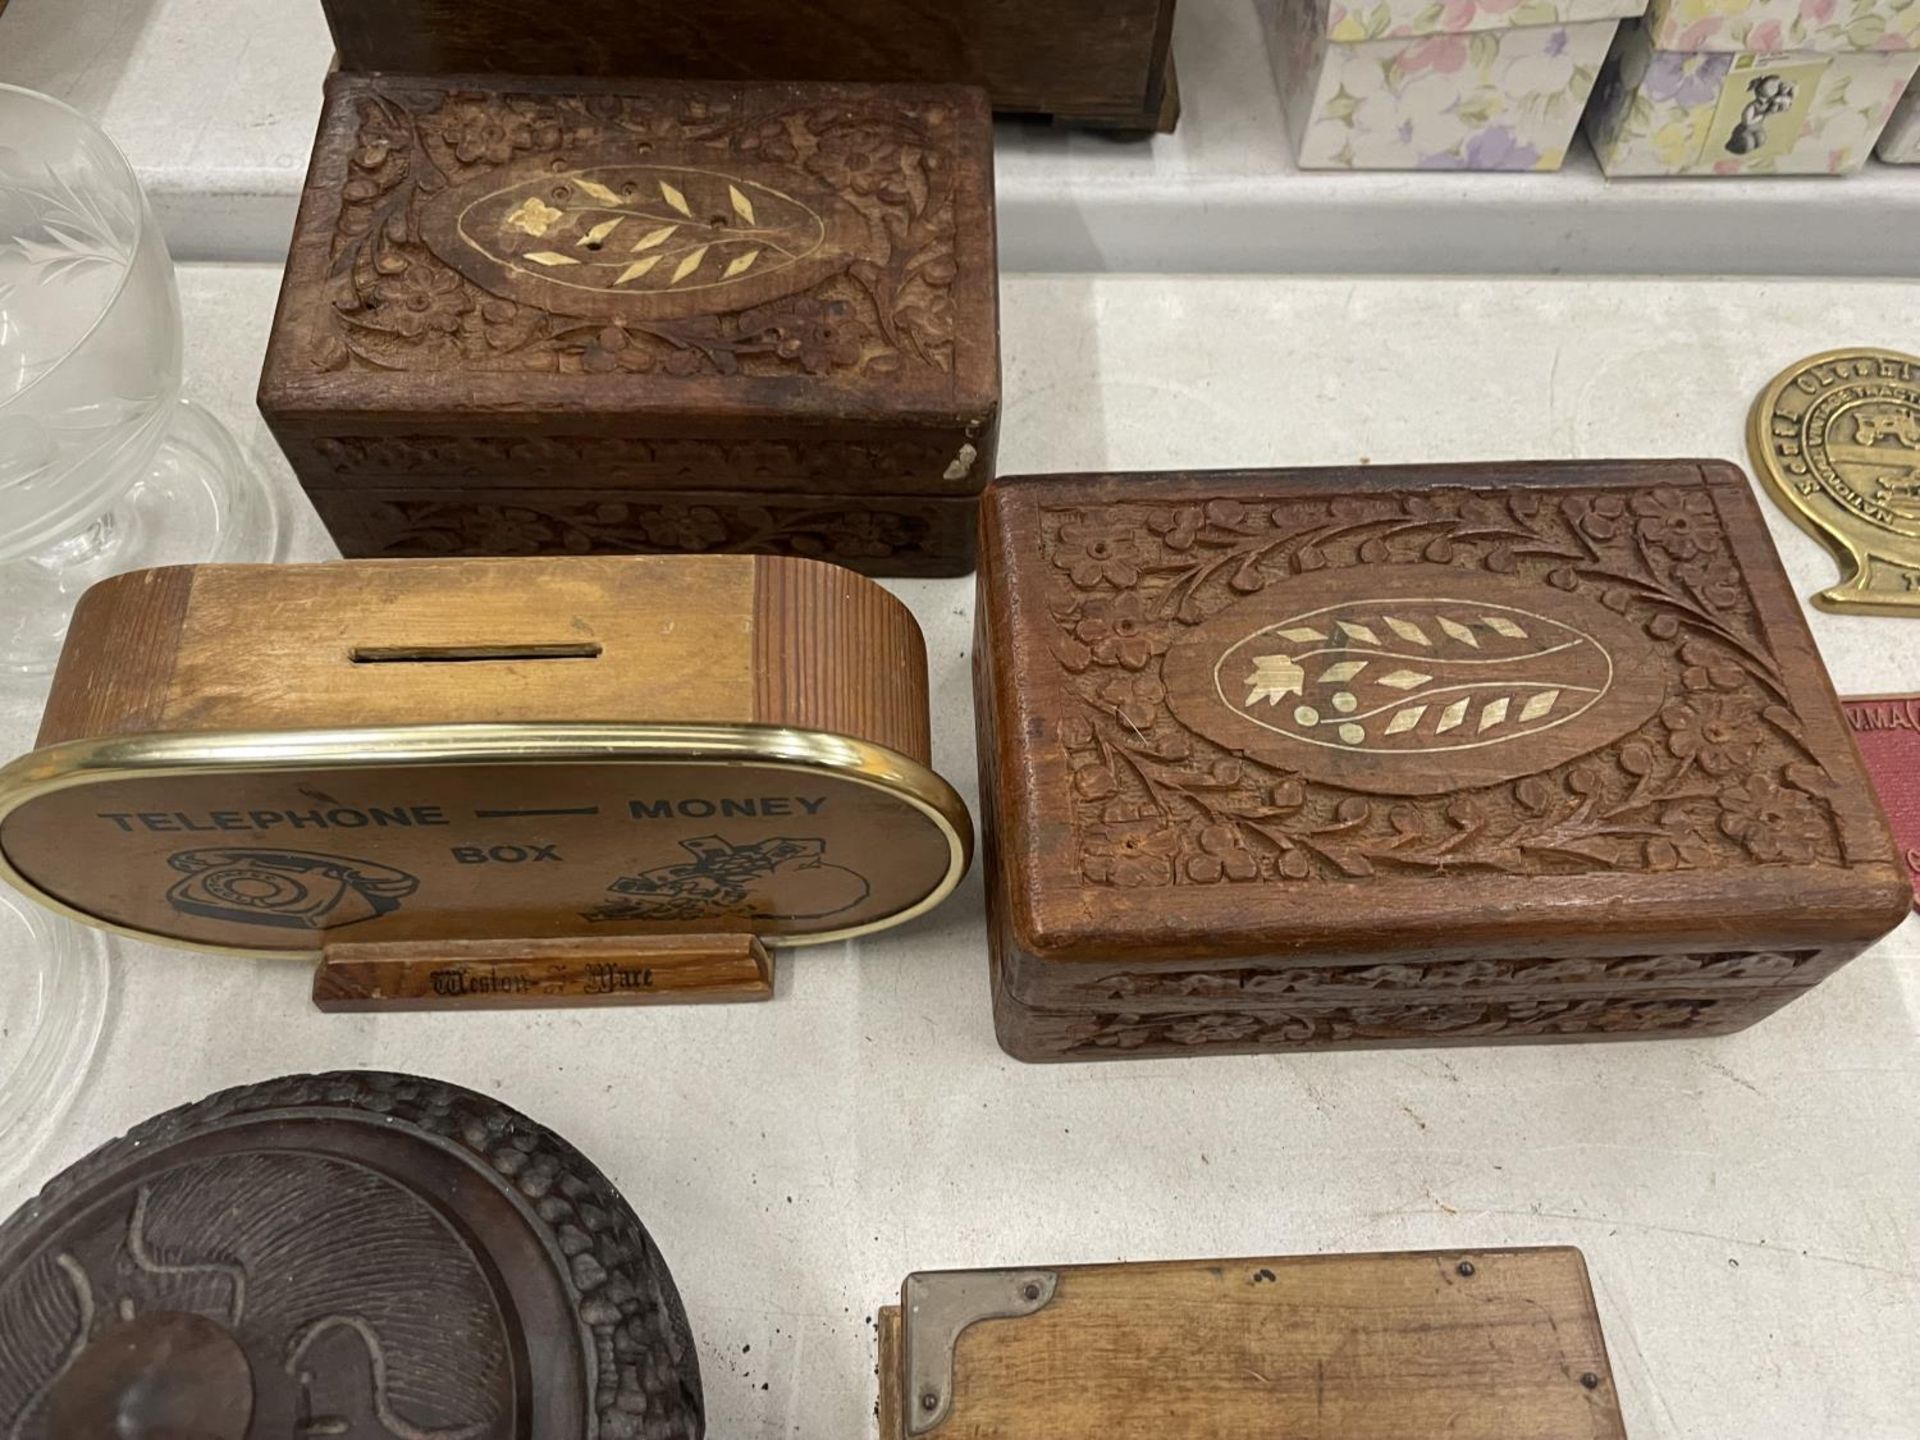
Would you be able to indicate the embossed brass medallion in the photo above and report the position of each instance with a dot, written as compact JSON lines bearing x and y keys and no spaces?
{"x":1836,"y":438}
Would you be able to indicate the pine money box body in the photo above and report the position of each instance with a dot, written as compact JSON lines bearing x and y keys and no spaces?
{"x":1459,"y":754}
{"x":282,"y":759}
{"x":593,"y":317}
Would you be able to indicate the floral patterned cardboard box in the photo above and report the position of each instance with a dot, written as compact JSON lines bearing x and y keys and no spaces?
{"x":1901,"y":142}
{"x":1438,"y":84}
{"x":1753,"y":87}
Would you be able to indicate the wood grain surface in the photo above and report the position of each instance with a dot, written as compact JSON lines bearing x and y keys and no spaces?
{"x":643,"y":639}
{"x":1101,"y":62}
{"x":1481,"y":1345}
{"x":542,"y":974}
{"x":1414,"y":755}
{"x":566,"y":315}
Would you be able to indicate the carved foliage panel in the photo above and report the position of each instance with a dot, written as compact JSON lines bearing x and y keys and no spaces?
{"x":880,"y":536}
{"x":686,"y":230}
{"x":1465,"y":1021}
{"x":1421,"y":684}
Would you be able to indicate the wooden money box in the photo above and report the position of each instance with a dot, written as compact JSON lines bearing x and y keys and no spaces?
{"x":1407,"y":756}
{"x":584,"y":317}
{"x":1088,"y":62}
{"x":1481,"y":1345}
{"x":440,"y":761}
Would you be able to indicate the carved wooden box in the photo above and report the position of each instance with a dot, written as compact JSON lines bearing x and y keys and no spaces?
{"x":597,"y":317}
{"x":278,"y":760}
{"x":1476,"y":1345}
{"x":1093,"y":62}
{"x":1407,"y":756}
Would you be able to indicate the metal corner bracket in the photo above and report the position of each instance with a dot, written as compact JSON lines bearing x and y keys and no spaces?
{"x":935,"y":1308}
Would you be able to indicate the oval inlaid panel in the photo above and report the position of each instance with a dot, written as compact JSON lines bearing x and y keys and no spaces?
{"x":1412,"y":683}
{"x":619,"y":239}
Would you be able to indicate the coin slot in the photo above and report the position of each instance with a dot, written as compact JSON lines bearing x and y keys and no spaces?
{"x":469,"y":654}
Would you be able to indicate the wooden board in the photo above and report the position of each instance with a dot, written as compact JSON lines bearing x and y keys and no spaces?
{"x":1479,"y":1345}
{"x":674,"y":746}
{"x":542,"y":974}
{"x":1099,"y":62}
{"x":1407,"y":755}
{"x":578,"y":316}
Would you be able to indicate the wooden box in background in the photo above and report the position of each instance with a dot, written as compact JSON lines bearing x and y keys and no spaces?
{"x":1407,"y":756}
{"x":1475,"y":1345}
{"x":601,"y":317}
{"x":1097,"y":62}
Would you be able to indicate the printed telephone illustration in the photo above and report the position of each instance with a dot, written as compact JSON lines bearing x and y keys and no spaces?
{"x":293,"y":889}
{"x":784,"y":879}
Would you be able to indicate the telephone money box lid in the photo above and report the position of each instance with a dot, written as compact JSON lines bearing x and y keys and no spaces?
{"x":405,"y":751}
{"x":346,"y":1254}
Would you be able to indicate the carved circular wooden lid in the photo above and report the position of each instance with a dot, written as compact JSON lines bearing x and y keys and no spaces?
{"x":354,"y":1254}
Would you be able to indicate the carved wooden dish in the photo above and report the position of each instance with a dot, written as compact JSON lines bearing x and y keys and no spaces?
{"x":354,"y":1254}
{"x":588,"y":317}
{"x":1407,"y":756}
{"x":1474,"y":1345}
{"x":276,"y":759}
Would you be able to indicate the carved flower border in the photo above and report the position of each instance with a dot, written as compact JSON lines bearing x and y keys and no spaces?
{"x":1723,"y":776}
{"x":394,"y":305}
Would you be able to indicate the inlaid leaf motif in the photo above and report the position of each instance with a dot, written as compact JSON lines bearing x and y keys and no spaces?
{"x":586,"y":235}
{"x":1476,"y":682}
{"x":597,"y":236}
{"x":690,"y":264}
{"x":1538,"y":705}
{"x":600,"y":192}
{"x":1405,"y":719}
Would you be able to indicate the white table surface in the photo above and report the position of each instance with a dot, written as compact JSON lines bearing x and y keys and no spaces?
{"x":215,"y":102}
{"x":1748,"y":1205}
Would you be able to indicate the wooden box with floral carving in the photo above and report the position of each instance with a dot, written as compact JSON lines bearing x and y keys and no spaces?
{"x":1430,"y":755}
{"x":525,"y":316}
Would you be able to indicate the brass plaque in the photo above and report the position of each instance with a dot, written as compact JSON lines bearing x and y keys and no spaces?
{"x":290,"y":851}
{"x":1836,"y":438}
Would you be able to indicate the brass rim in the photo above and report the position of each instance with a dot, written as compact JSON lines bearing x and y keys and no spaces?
{"x":137,"y":757}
